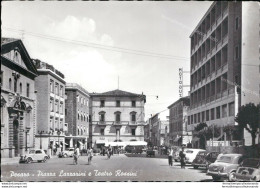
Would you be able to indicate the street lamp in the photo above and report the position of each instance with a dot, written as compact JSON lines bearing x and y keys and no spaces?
{"x":40,"y":133}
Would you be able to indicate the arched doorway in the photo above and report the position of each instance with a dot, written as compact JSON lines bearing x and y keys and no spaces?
{"x":16,"y":137}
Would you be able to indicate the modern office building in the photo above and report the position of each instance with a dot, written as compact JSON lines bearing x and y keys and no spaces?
{"x":117,"y":118}
{"x":77,"y":115}
{"x":224,"y":64}
{"x":18,"y":99}
{"x":178,"y":122}
{"x":216,"y":66}
{"x":50,"y":87}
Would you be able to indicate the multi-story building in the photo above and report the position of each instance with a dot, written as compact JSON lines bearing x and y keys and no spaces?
{"x":158,"y":124}
{"x":117,"y":116}
{"x":18,"y":100}
{"x":50,"y":87}
{"x":178,"y":112}
{"x":77,"y":115}
{"x":224,"y":64}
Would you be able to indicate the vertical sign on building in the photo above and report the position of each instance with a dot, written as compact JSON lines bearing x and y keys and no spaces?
{"x":180,"y":82}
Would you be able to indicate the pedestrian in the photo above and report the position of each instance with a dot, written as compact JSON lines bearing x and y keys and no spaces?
{"x":170,"y":156}
{"x":76,"y":155}
{"x":90,"y":155}
{"x":109,"y":152}
{"x":103,"y":151}
{"x":182,"y":158}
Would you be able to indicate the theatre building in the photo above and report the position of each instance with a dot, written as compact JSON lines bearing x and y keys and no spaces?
{"x":117,"y":118}
{"x":50,"y":86}
{"x":18,"y":100}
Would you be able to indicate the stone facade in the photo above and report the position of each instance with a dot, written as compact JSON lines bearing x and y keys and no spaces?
{"x":117,"y":116}
{"x":18,"y":99}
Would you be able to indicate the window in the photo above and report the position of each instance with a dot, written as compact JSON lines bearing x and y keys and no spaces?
{"x":102,"y":116}
{"x":133,"y":132}
{"x":231,"y":109}
{"x":56,"y":107}
{"x":102,"y":103}
{"x":117,"y":103}
{"x":203,"y":116}
{"x":188,"y":120}
{"x":57,"y":89}
{"x":237,"y":23}
{"x":198,"y":117}
{"x":117,"y":117}
{"x":65,"y":111}
{"x":133,"y":104}
{"x":195,"y":118}
{"x":212,"y":114}
{"x":224,"y":111}
{"x":207,"y":115}
{"x":191,"y":119}
{"x":218,"y":112}
{"x":51,"y":105}
{"x":1,"y":78}
{"x":61,"y":108}
{"x":102,"y":132}
{"x":61,"y":91}
{"x":61,"y":123}
{"x":51,"y":86}
{"x":28,"y":90}
{"x":133,"y":117}
{"x":15,"y":85}
{"x":56,"y":124}
{"x":78,"y":116}
{"x":10,"y":84}
{"x":21,"y":88}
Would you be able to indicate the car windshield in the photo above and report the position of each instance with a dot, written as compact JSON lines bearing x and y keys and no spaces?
{"x":31,"y":152}
{"x":38,"y":151}
{"x":189,"y":151}
{"x":225,"y":159}
{"x":254,"y":163}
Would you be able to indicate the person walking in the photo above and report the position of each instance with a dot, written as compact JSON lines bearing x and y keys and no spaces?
{"x":170,"y":156}
{"x":109,"y":152}
{"x":76,"y":155}
{"x":182,"y":158}
{"x":90,"y":155}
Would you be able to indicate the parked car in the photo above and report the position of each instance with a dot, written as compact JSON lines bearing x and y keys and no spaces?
{"x":66,"y":153}
{"x":34,"y":155}
{"x":249,"y":170}
{"x":204,"y":159}
{"x":191,"y":154}
{"x":225,"y":166}
{"x":150,"y":152}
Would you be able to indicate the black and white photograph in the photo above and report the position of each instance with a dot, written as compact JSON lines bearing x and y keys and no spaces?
{"x":130,"y":91}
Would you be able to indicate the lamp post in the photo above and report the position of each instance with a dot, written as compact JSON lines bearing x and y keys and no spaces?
{"x":40,"y":133}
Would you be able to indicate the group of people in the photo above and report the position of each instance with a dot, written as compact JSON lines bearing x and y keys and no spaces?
{"x":77,"y":154}
{"x":181,"y":155}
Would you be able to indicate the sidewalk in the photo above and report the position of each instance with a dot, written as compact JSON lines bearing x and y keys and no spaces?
{"x":8,"y":161}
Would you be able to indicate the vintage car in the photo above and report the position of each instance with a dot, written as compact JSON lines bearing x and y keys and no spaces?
{"x":204,"y":159}
{"x":150,"y":152}
{"x":249,"y":170}
{"x":225,"y":166}
{"x":67,"y":153}
{"x":190,"y":154}
{"x":34,"y":155}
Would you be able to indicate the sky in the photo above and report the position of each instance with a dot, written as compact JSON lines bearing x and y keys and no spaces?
{"x":86,"y":42}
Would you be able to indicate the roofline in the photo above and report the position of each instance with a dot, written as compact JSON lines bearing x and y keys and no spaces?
{"x":71,"y":86}
{"x":204,"y":16}
{"x":44,"y":71}
{"x":179,"y":100}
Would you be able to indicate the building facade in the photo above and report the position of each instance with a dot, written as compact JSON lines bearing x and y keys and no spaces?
{"x":18,"y":99}
{"x":117,"y":116}
{"x":77,"y":105}
{"x":216,"y":67}
{"x":50,"y":86}
{"x":178,"y":113}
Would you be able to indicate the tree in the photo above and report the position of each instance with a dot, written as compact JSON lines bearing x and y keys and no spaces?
{"x":199,"y":131}
{"x":248,"y":118}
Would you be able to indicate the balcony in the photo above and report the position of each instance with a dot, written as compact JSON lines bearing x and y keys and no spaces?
{"x":218,"y":95}
{"x":213,"y":26}
{"x":231,"y":91}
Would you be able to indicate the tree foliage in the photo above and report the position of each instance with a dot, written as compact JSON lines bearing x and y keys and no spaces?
{"x":248,"y":118}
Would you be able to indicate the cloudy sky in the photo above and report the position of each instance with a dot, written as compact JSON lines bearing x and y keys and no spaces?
{"x":92,"y":43}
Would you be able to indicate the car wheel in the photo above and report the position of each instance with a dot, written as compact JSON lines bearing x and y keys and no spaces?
{"x":216,"y":178}
{"x":44,"y":159}
{"x":231,"y":176}
{"x":29,"y":160}
{"x":195,"y":167}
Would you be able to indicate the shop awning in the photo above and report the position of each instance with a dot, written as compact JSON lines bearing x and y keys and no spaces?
{"x":100,"y":141}
{"x":195,"y":139}
{"x":115,"y":143}
{"x":137,"y":143}
{"x":177,"y":139}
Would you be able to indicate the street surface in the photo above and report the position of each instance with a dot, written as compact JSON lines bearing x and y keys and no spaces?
{"x":117,"y":168}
